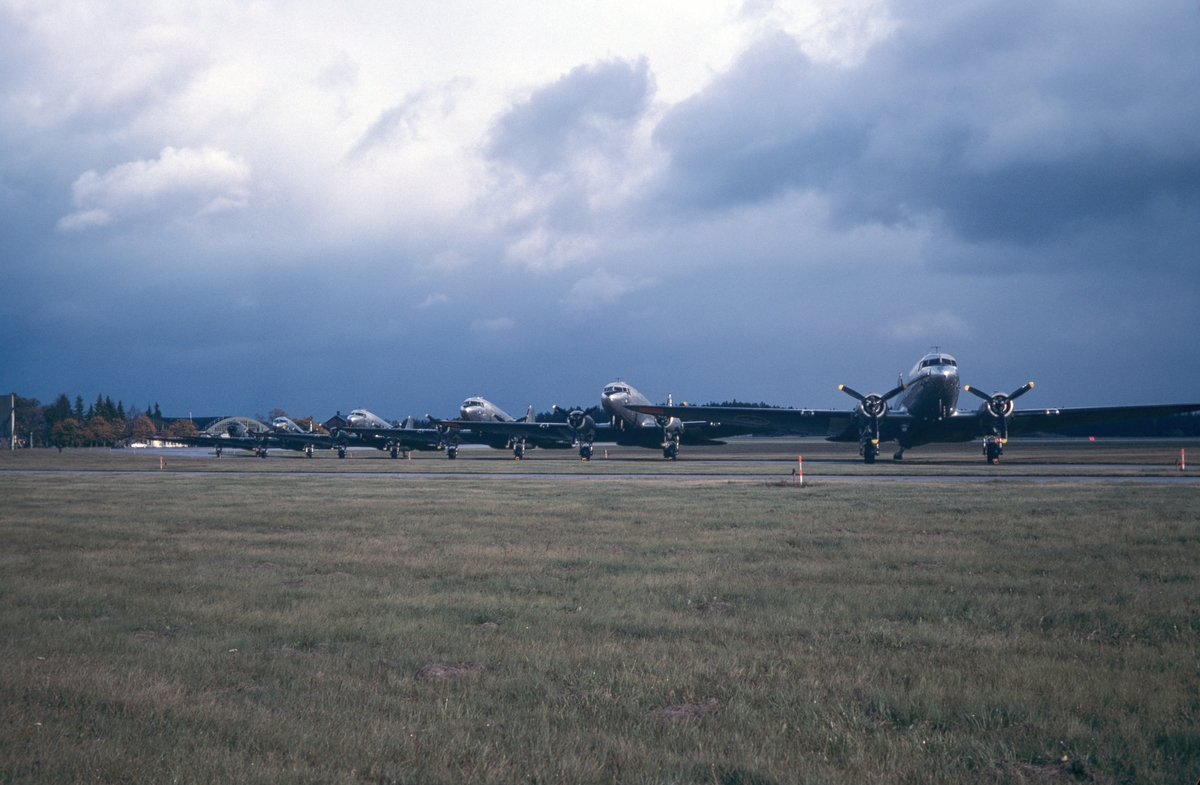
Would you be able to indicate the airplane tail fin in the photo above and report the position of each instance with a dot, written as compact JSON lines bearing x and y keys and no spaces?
{"x":531,"y":415}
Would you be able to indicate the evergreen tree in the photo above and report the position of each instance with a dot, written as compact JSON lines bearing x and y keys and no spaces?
{"x":79,"y":408}
{"x":121,"y":411}
{"x":157,"y":412}
{"x":57,"y":411}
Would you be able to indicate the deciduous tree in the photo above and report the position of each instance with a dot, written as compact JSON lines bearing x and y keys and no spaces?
{"x":143,"y":429}
{"x":182,"y":428}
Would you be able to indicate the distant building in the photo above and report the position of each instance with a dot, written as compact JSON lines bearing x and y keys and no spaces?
{"x":335,"y":421}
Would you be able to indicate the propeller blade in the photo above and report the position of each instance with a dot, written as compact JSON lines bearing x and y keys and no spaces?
{"x":887,"y":396}
{"x":1017,"y":393}
{"x":559,"y":409}
{"x":855,"y":395}
{"x":975,"y":391}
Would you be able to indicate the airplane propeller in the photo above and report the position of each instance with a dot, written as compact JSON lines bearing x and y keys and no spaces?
{"x":873,"y":406}
{"x":580,"y":421}
{"x":1000,"y":406}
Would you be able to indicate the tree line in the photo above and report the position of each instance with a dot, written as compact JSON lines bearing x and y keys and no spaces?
{"x":102,"y":424}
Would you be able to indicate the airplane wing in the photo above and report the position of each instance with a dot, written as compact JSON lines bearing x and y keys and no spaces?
{"x":1034,"y":420}
{"x":538,"y":432}
{"x":206,"y":440}
{"x":300,"y":439}
{"x":380,"y":438}
{"x":756,"y":419}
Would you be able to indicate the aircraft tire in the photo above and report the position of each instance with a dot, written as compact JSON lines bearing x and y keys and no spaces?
{"x":869,"y":452}
{"x":451,"y":452}
{"x":992,"y":451}
{"x":341,"y":452}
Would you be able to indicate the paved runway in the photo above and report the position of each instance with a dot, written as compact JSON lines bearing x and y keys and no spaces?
{"x":1182,"y":479}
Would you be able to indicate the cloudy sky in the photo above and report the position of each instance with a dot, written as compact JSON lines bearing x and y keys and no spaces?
{"x":231,"y":206}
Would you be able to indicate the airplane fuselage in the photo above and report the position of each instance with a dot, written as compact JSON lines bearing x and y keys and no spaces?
{"x":482,"y":410}
{"x":616,"y":398}
{"x":931,"y":388}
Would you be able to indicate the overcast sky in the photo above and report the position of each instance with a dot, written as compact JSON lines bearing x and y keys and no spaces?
{"x":225,"y":207}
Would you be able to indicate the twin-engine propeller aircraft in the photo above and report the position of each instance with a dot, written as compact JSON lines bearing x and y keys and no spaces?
{"x":484,"y":422}
{"x":927,"y":412}
{"x":287,"y":434}
{"x":364,"y":429}
{"x":243,"y":433}
{"x":632,"y":423}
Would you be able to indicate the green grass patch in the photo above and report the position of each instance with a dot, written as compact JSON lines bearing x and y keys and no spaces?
{"x":278,"y":629}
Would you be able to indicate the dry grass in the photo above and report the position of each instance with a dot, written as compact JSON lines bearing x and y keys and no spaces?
{"x":280,"y":629}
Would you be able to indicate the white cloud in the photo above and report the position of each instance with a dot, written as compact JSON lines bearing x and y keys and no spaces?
{"x":432,"y":300}
{"x":832,"y":32}
{"x":193,"y":182}
{"x":497,"y":325}
{"x":928,"y":326}
{"x":601,"y":289}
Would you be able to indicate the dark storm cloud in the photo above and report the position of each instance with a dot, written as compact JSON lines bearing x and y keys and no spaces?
{"x":1013,"y":123}
{"x":584,"y":109}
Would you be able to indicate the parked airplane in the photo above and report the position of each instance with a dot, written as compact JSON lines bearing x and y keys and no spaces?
{"x":364,"y":429}
{"x":238,"y":433}
{"x":630,"y":424}
{"x":287,"y":434}
{"x":926,"y":413}
{"x":481,"y":421}
{"x":482,"y":410}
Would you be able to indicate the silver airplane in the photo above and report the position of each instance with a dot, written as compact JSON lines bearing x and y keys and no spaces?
{"x":927,"y":412}
{"x":479,"y":409}
{"x":364,"y":429}
{"x":631,"y":424}
{"x":483,"y":422}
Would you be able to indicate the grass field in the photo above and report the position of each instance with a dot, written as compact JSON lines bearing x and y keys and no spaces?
{"x":263,"y":628}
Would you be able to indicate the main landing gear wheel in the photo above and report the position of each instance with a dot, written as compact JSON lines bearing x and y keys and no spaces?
{"x":395,"y":451}
{"x":262,"y":452}
{"x":585,"y":452}
{"x":992,"y":449}
{"x":899,"y":455}
{"x":308,"y":450}
{"x":451,"y":452}
{"x":518,"y":451}
{"x":869,"y":451}
{"x":671,"y":452}
{"x":341,"y":452}
{"x":218,"y":451}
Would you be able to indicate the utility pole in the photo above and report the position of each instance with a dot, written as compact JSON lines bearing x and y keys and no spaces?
{"x":12,"y":422}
